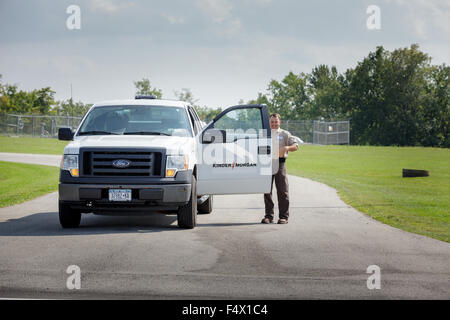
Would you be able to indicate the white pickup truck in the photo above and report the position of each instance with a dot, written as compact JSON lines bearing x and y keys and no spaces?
{"x":147,"y":155}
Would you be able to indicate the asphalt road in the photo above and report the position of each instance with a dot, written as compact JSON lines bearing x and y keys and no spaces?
{"x":323,"y":253}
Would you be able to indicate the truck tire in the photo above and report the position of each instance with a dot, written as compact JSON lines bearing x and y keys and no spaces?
{"x":68,"y":218}
{"x":206,"y":207}
{"x":187,"y":214}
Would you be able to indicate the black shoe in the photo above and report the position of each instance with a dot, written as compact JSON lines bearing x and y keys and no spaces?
{"x":266,"y":221}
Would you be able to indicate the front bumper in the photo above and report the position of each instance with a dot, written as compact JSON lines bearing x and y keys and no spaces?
{"x":95,"y":196}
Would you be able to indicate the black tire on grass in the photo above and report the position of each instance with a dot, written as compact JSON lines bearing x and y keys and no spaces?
{"x":411,"y":173}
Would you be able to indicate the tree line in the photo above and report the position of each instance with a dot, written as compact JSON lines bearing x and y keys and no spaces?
{"x":391,"y":98}
{"x":38,"y":101}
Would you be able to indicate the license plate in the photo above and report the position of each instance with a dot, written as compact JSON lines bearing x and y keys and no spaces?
{"x":119,"y":194}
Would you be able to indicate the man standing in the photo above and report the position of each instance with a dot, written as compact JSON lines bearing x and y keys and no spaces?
{"x":286,"y":143}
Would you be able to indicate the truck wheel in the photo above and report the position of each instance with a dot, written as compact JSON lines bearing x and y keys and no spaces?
{"x":207,"y":206}
{"x":187,"y":214}
{"x":68,"y":218}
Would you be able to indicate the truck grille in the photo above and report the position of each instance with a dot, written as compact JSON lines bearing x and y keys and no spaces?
{"x":100,"y":163}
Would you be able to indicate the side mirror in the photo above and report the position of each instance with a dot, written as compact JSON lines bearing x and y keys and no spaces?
{"x":214,"y":136}
{"x":65,"y":134}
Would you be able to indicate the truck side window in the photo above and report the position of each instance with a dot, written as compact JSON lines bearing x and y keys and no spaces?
{"x":241,"y":119}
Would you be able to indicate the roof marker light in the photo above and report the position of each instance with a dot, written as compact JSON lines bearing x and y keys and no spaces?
{"x":145,"y":96}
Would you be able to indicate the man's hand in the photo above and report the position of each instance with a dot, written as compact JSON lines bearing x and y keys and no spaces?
{"x":282,"y":151}
{"x":286,"y":149}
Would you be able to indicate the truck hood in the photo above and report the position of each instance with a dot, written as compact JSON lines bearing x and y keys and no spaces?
{"x":173,"y":144}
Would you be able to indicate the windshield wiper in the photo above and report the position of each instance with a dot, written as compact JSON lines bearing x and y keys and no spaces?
{"x":148,"y":133}
{"x":95,"y":132}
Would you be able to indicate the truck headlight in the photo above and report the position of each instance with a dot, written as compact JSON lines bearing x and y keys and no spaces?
{"x":70,"y":162}
{"x":175,"y":164}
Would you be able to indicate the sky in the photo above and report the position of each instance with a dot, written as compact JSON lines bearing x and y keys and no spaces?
{"x":224,"y":51}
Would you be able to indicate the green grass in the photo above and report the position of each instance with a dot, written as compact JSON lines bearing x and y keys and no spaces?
{"x":370,"y":180}
{"x":21,"y":182}
{"x":32,"y":145}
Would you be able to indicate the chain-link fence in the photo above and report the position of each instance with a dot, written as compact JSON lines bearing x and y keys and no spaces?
{"x":35,"y":125}
{"x":310,"y":131}
{"x":319,"y":132}
{"x":299,"y":128}
{"x":331,"y":132}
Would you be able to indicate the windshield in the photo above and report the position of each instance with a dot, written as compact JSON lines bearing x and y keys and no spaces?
{"x":136,"y":120}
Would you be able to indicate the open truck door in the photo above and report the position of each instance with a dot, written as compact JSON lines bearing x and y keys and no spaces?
{"x":235,"y":152}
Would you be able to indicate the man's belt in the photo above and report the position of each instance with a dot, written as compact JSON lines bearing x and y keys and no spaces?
{"x":282,"y":160}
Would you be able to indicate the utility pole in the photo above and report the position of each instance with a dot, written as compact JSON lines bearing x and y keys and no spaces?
{"x":71,"y":101}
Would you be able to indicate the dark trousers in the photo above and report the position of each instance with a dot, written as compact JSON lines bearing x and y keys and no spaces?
{"x":281,"y":183}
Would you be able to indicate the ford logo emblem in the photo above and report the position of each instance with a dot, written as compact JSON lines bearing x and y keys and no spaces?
{"x":121,"y":163}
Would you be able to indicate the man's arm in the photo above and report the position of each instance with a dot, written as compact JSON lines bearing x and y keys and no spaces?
{"x":292,"y":144}
{"x":285,"y":149}
{"x":292,"y":148}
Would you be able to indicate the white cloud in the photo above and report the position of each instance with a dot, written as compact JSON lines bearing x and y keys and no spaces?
{"x":233,"y":26}
{"x":61,"y":65}
{"x":109,"y":6}
{"x":217,"y":10}
{"x":261,"y":2}
{"x":220,"y":13}
{"x":172,"y":19}
{"x":424,"y":15}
